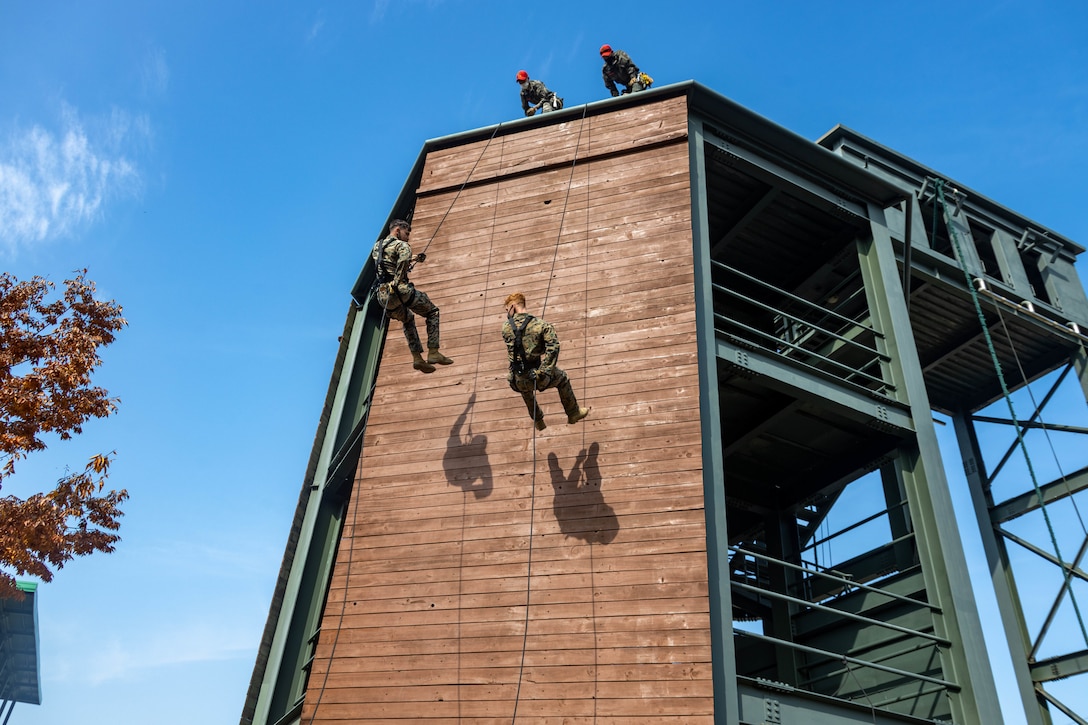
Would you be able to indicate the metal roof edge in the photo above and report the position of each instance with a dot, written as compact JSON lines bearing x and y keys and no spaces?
{"x":793,"y":145}
{"x":841,"y":132}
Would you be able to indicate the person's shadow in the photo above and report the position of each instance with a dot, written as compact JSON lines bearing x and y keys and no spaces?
{"x":578,"y":503}
{"x":465,"y":461}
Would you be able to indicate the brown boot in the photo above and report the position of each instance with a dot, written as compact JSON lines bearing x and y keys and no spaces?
{"x":540,"y":424}
{"x":436,"y":358}
{"x":582,"y":413}
{"x":420,"y":364}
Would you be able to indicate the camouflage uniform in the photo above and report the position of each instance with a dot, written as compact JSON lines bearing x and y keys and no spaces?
{"x":535,"y":92}
{"x":400,"y":297}
{"x":541,"y":346}
{"x":619,"y":68}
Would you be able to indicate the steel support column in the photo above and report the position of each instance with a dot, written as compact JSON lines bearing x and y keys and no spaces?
{"x":921,"y":471}
{"x":1001,"y":574}
{"x":726,"y":708}
{"x":280,"y":680}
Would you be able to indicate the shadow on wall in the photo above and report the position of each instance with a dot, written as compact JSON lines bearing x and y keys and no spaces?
{"x":465,"y":461}
{"x":579,"y":504}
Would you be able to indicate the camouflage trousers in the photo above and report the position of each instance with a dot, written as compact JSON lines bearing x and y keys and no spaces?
{"x":554,"y":379}
{"x":551,"y":103}
{"x":420,"y":304}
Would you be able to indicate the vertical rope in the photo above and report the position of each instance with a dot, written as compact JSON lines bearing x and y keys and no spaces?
{"x":1039,"y":415}
{"x":366,"y":416}
{"x":1067,"y":573}
{"x":585,"y":388}
{"x":347,"y":566}
{"x":471,"y":415}
{"x":536,"y":412}
{"x":462,"y":188}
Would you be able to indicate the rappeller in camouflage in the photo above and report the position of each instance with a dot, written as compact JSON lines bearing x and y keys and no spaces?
{"x":532,"y":348}
{"x":619,"y":68}
{"x":535,"y":96}
{"x":400,"y":298}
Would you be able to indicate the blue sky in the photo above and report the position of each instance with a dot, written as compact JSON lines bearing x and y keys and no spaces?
{"x":222,"y":168}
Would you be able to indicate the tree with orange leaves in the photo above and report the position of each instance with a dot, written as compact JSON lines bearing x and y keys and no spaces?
{"x":48,"y":351}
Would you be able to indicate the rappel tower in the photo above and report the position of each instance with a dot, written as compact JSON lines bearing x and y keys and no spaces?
{"x":754,"y":525}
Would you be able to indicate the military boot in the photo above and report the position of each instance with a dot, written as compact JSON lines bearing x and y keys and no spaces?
{"x":420,"y":364}
{"x":540,"y":424}
{"x":434,"y":357}
{"x":575,"y":417}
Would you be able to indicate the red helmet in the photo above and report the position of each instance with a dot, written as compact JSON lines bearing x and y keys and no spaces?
{"x":522,"y":76}
{"x":606,"y":50}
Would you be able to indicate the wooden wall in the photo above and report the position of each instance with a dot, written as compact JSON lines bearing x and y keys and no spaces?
{"x":488,"y":572}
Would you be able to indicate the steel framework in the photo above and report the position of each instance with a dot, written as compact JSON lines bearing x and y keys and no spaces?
{"x":835,"y":315}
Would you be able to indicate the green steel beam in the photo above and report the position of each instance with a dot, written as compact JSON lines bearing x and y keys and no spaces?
{"x":800,"y":181}
{"x":1029,"y":501}
{"x":841,"y":613}
{"x":1016,"y":634}
{"x":921,"y":471}
{"x":723,"y":654}
{"x":1013,"y":446}
{"x":1033,"y":425}
{"x":855,"y":403}
{"x":952,"y":686}
{"x":1058,"y":668}
{"x":280,"y":676}
{"x":1042,"y":553}
{"x":766,"y":702}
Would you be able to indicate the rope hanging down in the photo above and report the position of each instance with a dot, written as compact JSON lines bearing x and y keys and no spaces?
{"x":1038,"y":415}
{"x":1066,"y":570}
{"x":367,"y":402}
{"x":462,"y":187}
{"x":536,"y":412}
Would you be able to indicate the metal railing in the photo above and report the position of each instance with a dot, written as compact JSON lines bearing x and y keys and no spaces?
{"x":900,"y":641}
{"x":806,"y":333}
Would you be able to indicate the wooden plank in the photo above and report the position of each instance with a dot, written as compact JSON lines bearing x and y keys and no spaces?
{"x":555,"y":144}
{"x":478,"y":551}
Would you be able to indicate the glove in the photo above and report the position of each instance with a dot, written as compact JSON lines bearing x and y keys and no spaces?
{"x":421,"y":257}
{"x":531,"y":111}
{"x":614,"y":92}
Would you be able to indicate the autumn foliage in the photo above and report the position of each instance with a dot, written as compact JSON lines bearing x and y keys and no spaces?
{"x":48,"y":351}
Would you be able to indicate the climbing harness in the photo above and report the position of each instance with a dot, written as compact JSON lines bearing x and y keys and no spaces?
{"x":385,"y":286}
{"x":1066,"y":569}
{"x":519,"y":366}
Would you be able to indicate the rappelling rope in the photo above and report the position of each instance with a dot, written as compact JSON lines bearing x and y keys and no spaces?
{"x":1066,"y":569}
{"x":1042,"y":423}
{"x":585,"y":389}
{"x":536,"y":412}
{"x":354,"y":517}
{"x":362,"y":427}
{"x":462,"y":187}
{"x":471,"y":415}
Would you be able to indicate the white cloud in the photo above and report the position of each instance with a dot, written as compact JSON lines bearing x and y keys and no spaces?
{"x":98,"y":656}
{"x":155,"y":73}
{"x":52,"y":182}
{"x":378,"y":14}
